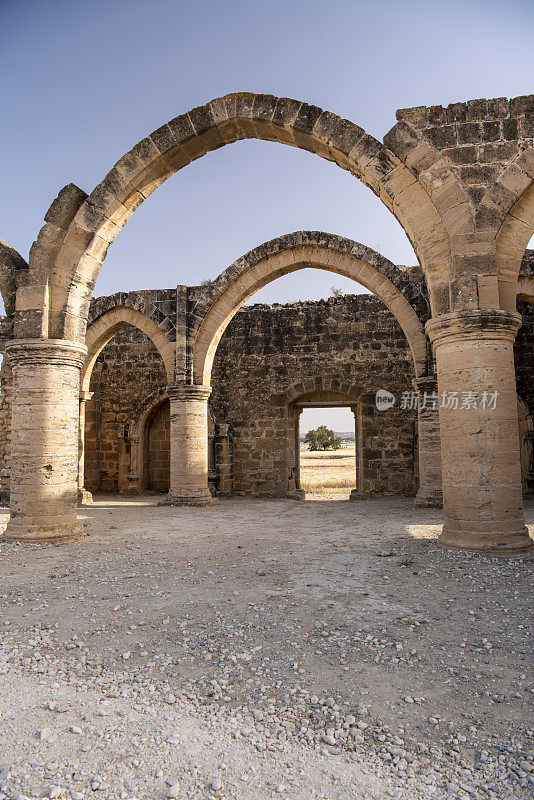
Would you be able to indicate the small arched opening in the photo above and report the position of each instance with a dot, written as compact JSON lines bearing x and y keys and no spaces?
{"x":126,"y":370}
{"x":156,"y":449}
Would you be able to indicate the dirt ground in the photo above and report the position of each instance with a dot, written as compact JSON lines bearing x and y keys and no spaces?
{"x":328,"y":472}
{"x":261,"y":650}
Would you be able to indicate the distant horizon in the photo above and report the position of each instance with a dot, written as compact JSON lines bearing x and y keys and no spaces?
{"x":337,"y":419}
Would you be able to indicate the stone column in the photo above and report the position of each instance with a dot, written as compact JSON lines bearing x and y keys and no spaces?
{"x":84,"y":497}
{"x":223,"y":459}
{"x":45,"y":431}
{"x":294,"y":489}
{"x":429,"y":494}
{"x":361,"y":490}
{"x":189,"y":445}
{"x":481,"y":469}
{"x":134,"y":475}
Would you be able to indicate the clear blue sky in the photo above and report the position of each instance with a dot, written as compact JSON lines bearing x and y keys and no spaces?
{"x":82,"y":82}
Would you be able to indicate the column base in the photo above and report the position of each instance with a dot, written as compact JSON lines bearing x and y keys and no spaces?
{"x":357,"y":495}
{"x":490,"y":542}
{"x":189,"y":500}
{"x":429,"y":498}
{"x":298,"y":494}
{"x":85,"y":498}
{"x":23,"y":532}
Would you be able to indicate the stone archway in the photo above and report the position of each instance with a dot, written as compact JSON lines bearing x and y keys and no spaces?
{"x":82,"y":227}
{"x":351,"y":259}
{"x":457,"y":228}
{"x":156,"y":449}
{"x":300,"y":251}
{"x":99,"y":334}
{"x":103,"y":329}
{"x":137,"y":427}
{"x":324,"y":251}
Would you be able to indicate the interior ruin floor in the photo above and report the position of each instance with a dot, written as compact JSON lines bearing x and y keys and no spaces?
{"x":262,"y":649}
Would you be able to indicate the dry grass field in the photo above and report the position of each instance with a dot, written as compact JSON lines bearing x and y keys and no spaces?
{"x":328,"y":472}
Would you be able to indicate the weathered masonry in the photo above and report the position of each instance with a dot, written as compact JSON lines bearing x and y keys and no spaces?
{"x":460,"y":181}
{"x":272,"y":361}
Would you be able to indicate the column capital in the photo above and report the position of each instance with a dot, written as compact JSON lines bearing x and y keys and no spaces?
{"x":46,"y":351}
{"x":479,"y":323}
{"x":184,"y":391}
{"x":85,"y":396}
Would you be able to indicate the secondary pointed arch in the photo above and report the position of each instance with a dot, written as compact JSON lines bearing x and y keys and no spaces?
{"x":300,"y":251}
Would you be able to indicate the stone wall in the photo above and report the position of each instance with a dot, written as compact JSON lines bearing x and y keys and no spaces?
{"x":127,"y":372}
{"x":157,"y":449}
{"x":353,"y":340}
{"x":267,"y":356}
{"x":352,"y":344}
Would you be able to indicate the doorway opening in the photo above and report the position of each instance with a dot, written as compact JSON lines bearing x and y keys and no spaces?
{"x":156,"y":443}
{"x":326,"y":446}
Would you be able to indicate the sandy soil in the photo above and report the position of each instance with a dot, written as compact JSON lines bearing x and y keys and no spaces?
{"x":261,"y":650}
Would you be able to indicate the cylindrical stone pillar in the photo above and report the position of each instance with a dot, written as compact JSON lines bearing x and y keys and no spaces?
{"x":223,"y":459}
{"x":84,"y":497}
{"x":44,"y":439}
{"x":482,"y":498}
{"x":189,"y":445}
{"x":429,"y":494}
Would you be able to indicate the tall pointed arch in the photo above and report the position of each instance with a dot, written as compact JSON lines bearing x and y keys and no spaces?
{"x":72,"y":246}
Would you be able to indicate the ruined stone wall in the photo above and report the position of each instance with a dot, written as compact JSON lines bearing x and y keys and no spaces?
{"x":351,"y":343}
{"x":6,"y":394}
{"x":524,"y":356}
{"x":266,"y":349}
{"x":128,"y":370}
{"x":353,"y":340}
